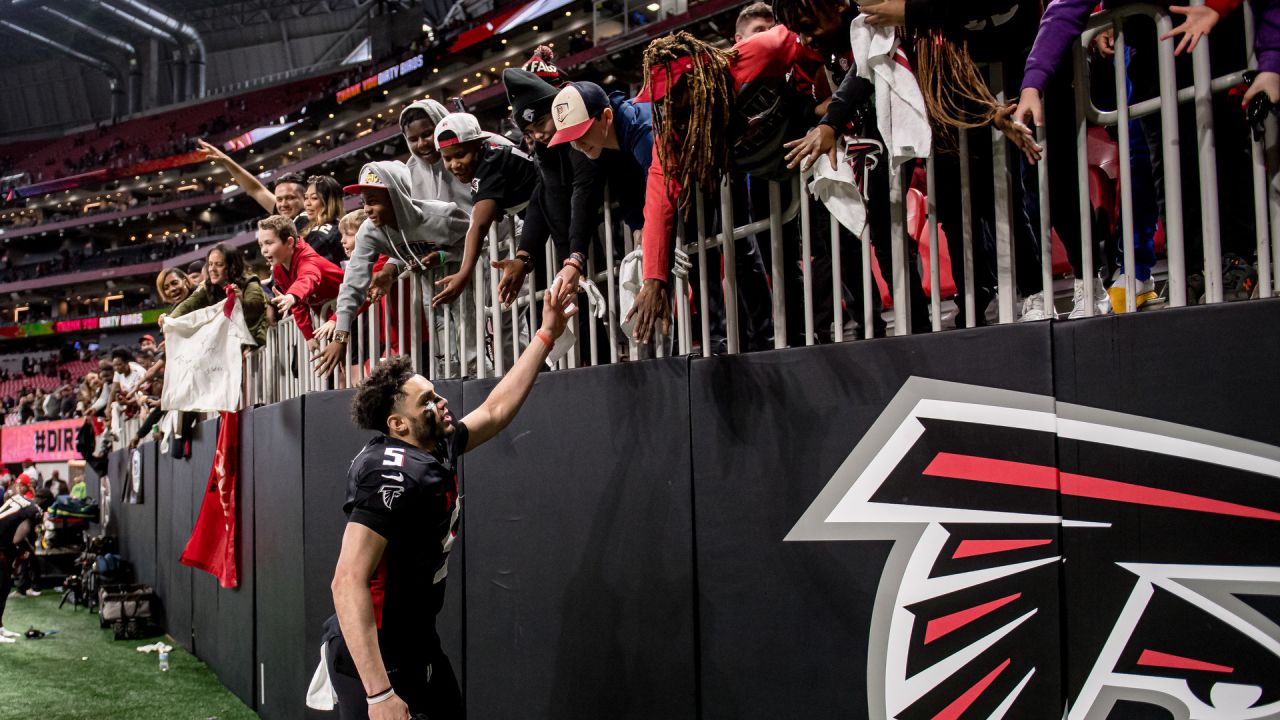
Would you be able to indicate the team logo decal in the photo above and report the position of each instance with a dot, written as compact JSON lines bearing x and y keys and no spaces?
{"x":997,"y":500}
{"x":390,"y":493}
{"x":371,"y":177}
{"x":562,"y":111}
{"x":528,"y":115}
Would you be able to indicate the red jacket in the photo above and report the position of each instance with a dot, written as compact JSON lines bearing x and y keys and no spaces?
{"x":309,"y":278}
{"x":770,"y":54}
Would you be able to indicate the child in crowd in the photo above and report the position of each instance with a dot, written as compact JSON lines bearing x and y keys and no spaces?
{"x":501,"y":176}
{"x":413,"y":232}
{"x":303,"y":279}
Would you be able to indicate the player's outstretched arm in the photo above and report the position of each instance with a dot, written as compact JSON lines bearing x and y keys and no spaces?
{"x":504,"y":402}
{"x":362,"y":549}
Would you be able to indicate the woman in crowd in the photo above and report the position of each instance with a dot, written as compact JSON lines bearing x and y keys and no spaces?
{"x":173,"y":286}
{"x":225,"y":266}
{"x":323,"y":205}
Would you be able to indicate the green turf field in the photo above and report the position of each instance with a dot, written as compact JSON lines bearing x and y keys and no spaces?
{"x":82,"y":673}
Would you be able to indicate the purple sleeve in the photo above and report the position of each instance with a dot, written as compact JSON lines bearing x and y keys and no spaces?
{"x":1062,"y":24}
{"x":1268,"y":38}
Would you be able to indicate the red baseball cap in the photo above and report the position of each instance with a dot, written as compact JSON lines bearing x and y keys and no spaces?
{"x":575,"y":108}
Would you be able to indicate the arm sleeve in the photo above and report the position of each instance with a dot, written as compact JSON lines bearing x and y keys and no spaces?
{"x":536,"y":229}
{"x":254,"y":304}
{"x":1225,"y":7}
{"x":1061,"y":25}
{"x":492,"y":183}
{"x":586,"y":201}
{"x":853,"y":93}
{"x":306,"y":281}
{"x":302,"y":317}
{"x":355,"y":281}
{"x":369,"y":508}
{"x":1268,"y":37}
{"x":659,"y":221}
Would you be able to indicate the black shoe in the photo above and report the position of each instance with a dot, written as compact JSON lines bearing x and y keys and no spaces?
{"x":1239,"y":278}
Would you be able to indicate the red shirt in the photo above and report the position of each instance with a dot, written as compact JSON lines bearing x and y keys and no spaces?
{"x":311,"y":279}
{"x":770,"y":54}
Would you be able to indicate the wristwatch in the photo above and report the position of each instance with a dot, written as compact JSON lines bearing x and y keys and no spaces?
{"x":341,"y":336}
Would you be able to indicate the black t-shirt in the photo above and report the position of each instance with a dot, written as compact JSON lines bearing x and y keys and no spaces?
{"x":13,"y":513}
{"x":326,"y":240}
{"x":410,"y":497}
{"x":506,"y":174}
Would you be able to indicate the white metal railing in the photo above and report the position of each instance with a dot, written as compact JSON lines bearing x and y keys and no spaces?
{"x":282,"y":369}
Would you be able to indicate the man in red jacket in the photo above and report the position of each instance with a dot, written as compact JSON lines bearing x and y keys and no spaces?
{"x":302,"y":277}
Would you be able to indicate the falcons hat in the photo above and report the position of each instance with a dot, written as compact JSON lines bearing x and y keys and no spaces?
{"x":369,"y":180}
{"x":574,"y":108}
{"x":458,"y":128}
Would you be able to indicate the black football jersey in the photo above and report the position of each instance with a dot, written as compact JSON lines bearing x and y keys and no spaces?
{"x":410,"y":497}
{"x":12,"y":513}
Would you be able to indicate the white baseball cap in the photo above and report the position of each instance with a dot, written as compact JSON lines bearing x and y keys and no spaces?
{"x":458,"y":128}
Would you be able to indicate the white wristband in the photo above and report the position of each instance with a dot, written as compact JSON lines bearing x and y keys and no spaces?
{"x":381,"y":697}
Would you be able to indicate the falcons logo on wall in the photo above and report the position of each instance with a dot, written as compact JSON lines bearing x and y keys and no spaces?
{"x":1045,"y":551}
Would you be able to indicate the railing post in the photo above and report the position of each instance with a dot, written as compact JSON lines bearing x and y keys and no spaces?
{"x":966,"y":217}
{"x":730,"y":254}
{"x":806,"y":264}
{"x":935,"y":261}
{"x":1005,"y":261}
{"x":900,"y":253}
{"x":1126,"y":171}
{"x":703,"y":316}
{"x":495,"y":305}
{"x":611,"y":279}
{"x":779,"y":274}
{"x":1206,"y":142}
{"x":1174,"y":228}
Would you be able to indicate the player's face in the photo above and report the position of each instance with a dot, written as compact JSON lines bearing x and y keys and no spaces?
{"x":289,"y":199}
{"x":461,"y":160}
{"x":420,"y":135}
{"x":427,"y":413}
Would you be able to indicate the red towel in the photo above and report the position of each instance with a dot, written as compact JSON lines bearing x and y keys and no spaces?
{"x":212,"y":546}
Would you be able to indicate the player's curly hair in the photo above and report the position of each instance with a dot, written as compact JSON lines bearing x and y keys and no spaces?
{"x":379,"y":392}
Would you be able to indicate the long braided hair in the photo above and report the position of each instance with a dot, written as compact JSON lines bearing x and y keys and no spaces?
{"x":956,"y":95}
{"x":690,"y":135}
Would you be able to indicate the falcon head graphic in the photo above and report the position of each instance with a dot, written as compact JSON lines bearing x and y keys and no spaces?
{"x":1162,"y":539}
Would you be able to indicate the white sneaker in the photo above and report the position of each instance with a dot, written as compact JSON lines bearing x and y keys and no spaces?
{"x":1101,"y":304}
{"x":7,"y":640}
{"x":32,"y":592}
{"x":7,"y":633}
{"x":1033,"y":308}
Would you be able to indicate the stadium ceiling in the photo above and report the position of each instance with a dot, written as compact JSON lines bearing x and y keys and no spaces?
{"x":216,"y":16}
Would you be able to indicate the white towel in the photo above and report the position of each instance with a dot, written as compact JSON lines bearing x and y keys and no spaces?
{"x":838,"y":190}
{"x":320,"y":692}
{"x":900,"y":111}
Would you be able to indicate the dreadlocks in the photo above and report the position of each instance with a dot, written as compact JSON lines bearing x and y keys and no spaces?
{"x":955,"y":93}
{"x":691,"y":145}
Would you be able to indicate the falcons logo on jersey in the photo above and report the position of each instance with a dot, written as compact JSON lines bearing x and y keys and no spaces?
{"x":1164,"y":539}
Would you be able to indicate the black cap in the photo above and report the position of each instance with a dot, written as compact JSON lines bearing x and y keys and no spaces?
{"x":529,"y":95}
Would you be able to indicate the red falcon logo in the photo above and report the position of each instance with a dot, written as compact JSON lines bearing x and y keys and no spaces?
{"x":996,"y":500}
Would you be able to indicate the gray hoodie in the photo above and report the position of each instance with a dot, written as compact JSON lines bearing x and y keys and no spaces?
{"x":425,"y":226}
{"x":433,"y":181}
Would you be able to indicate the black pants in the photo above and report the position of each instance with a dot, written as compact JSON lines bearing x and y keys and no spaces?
{"x":426,"y":684}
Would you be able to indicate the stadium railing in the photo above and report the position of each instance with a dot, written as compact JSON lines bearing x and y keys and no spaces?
{"x":281,"y":369}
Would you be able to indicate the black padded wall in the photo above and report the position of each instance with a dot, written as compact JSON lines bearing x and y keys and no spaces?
{"x":579,"y":566}
{"x":234,"y":663}
{"x":204,"y":587}
{"x":284,"y":662}
{"x":1169,"y":470}
{"x":786,"y":628}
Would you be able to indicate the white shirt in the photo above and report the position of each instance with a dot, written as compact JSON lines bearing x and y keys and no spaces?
{"x":130,"y":381}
